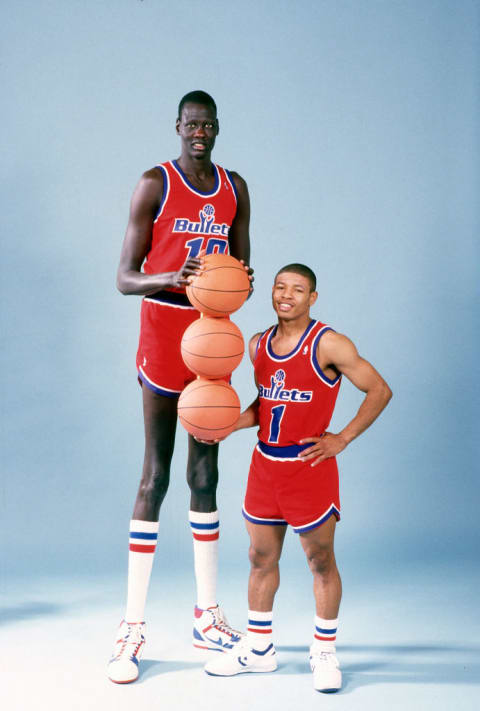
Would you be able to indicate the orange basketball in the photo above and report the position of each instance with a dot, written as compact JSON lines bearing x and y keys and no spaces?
{"x":212,"y":347}
{"x":221,"y":288}
{"x":208,"y":409}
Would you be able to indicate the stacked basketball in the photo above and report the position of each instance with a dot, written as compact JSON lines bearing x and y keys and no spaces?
{"x":212,"y":347}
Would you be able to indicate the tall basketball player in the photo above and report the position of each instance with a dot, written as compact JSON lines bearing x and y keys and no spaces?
{"x":293,"y":478}
{"x":180,"y":210}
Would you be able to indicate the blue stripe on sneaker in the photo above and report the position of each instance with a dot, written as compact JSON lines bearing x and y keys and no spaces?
{"x":261,"y":654}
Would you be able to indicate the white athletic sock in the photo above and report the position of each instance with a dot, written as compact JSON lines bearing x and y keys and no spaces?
{"x":259,"y":629}
{"x":205,"y":530}
{"x":143,"y":541}
{"x":325,"y":634}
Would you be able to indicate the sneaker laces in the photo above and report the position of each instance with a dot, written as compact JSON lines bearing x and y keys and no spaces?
{"x":221,"y":622}
{"x":133,"y":638}
{"x":327,"y":658}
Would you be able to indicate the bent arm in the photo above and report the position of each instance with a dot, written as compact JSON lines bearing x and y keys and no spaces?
{"x":249,"y":417}
{"x":239,"y":235}
{"x":143,"y":209}
{"x":338,"y":351}
{"x":364,"y":376}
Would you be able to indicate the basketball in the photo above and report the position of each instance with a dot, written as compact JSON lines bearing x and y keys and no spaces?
{"x":212,"y":347}
{"x":221,"y":288}
{"x":208,"y":409}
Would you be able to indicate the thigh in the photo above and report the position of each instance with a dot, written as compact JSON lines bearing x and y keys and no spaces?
{"x":261,"y":503}
{"x":159,"y":361}
{"x":265,"y":539}
{"x":201,"y":455}
{"x":160,"y":420}
{"x":319,"y":539}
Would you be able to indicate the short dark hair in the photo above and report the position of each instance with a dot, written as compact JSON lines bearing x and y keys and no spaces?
{"x":300,"y":269}
{"x":196,"y":97}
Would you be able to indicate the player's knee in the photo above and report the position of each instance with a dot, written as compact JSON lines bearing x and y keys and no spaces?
{"x":203,"y":480}
{"x":154,"y":484}
{"x":262,"y":558}
{"x":321,"y":560}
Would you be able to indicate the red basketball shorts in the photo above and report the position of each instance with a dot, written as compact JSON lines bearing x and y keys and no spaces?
{"x":163,"y":320}
{"x":283,"y":490}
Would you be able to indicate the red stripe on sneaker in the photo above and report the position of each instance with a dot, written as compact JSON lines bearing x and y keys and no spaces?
{"x":257,"y":631}
{"x":136,"y":548}
{"x":206,"y":536}
{"x":325,"y":639}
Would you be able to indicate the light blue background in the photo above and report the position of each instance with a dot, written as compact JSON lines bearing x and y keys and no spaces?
{"x":355,"y":125}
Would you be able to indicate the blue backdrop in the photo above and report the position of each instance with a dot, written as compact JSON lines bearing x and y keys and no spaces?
{"x":356,"y":128}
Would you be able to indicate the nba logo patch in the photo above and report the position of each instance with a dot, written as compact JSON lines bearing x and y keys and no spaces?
{"x":305,"y":350}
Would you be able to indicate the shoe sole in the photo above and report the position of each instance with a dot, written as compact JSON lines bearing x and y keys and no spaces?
{"x":328,"y":691}
{"x":244,"y":671}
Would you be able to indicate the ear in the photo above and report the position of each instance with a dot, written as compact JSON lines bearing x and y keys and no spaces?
{"x":177,"y":125}
{"x":218,"y":126}
{"x":313,"y":297}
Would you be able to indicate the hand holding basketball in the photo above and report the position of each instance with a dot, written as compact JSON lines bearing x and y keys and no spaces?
{"x":222,"y":286}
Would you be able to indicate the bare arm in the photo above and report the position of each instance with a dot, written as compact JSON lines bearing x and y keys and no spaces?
{"x":339,"y":351}
{"x":239,"y":235}
{"x":143,"y":209}
{"x":249,"y":417}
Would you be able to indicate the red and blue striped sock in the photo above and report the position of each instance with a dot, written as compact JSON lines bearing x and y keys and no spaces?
{"x":259,"y":630}
{"x":143,"y":542}
{"x":325,"y":634}
{"x":205,"y":531}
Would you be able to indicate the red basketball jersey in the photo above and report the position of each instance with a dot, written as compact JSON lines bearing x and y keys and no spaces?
{"x":189,"y":220}
{"x":296,"y":397}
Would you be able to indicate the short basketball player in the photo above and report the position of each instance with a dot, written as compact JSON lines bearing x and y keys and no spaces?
{"x":180,"y":210}
{"x":293,"y":477}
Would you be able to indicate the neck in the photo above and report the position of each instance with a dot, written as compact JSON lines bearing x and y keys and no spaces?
{"x":196,"y":166}
{"x":292,"y":328}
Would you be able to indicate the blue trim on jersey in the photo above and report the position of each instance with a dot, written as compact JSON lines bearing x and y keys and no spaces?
{"x":216,"y":524}
{"x":155,"y":388}
{"x":274,"y":356}
{"x":264,"y":521}
{"x":144,"y":536}
{"x":258,"y":343}
{"x":290,"y":451}
{"x":231,"y":180}
{"x":170,"y":297}
{"x":315,"y":362}
{"x":164,"y":190}
{"x":192,"y":187}
{"x":332,"y":511}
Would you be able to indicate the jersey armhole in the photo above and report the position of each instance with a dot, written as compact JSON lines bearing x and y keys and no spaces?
{"x":331,"y":382}
{"x":258,"y":343}
{"x":165,"y":191}
{"x":232,"y":183}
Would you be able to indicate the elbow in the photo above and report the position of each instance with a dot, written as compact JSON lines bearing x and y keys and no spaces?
{"x":121,"y":284}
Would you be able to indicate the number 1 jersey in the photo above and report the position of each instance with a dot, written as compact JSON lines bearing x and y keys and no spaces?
{"x":296,"y":398}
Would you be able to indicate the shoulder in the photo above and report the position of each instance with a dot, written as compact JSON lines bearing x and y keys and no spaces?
{"x":336,"y":346}
{"x":239,"y":182}
{"x":149,"y":188}
{"x":253,"y":344}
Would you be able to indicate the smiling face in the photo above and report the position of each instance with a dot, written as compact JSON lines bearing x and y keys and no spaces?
{"x":198,"y":129}
{"x":292,"y":296}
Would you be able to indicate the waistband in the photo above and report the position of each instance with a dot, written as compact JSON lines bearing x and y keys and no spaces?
{"x":289,"y":452}
{"x":175,"y":298}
